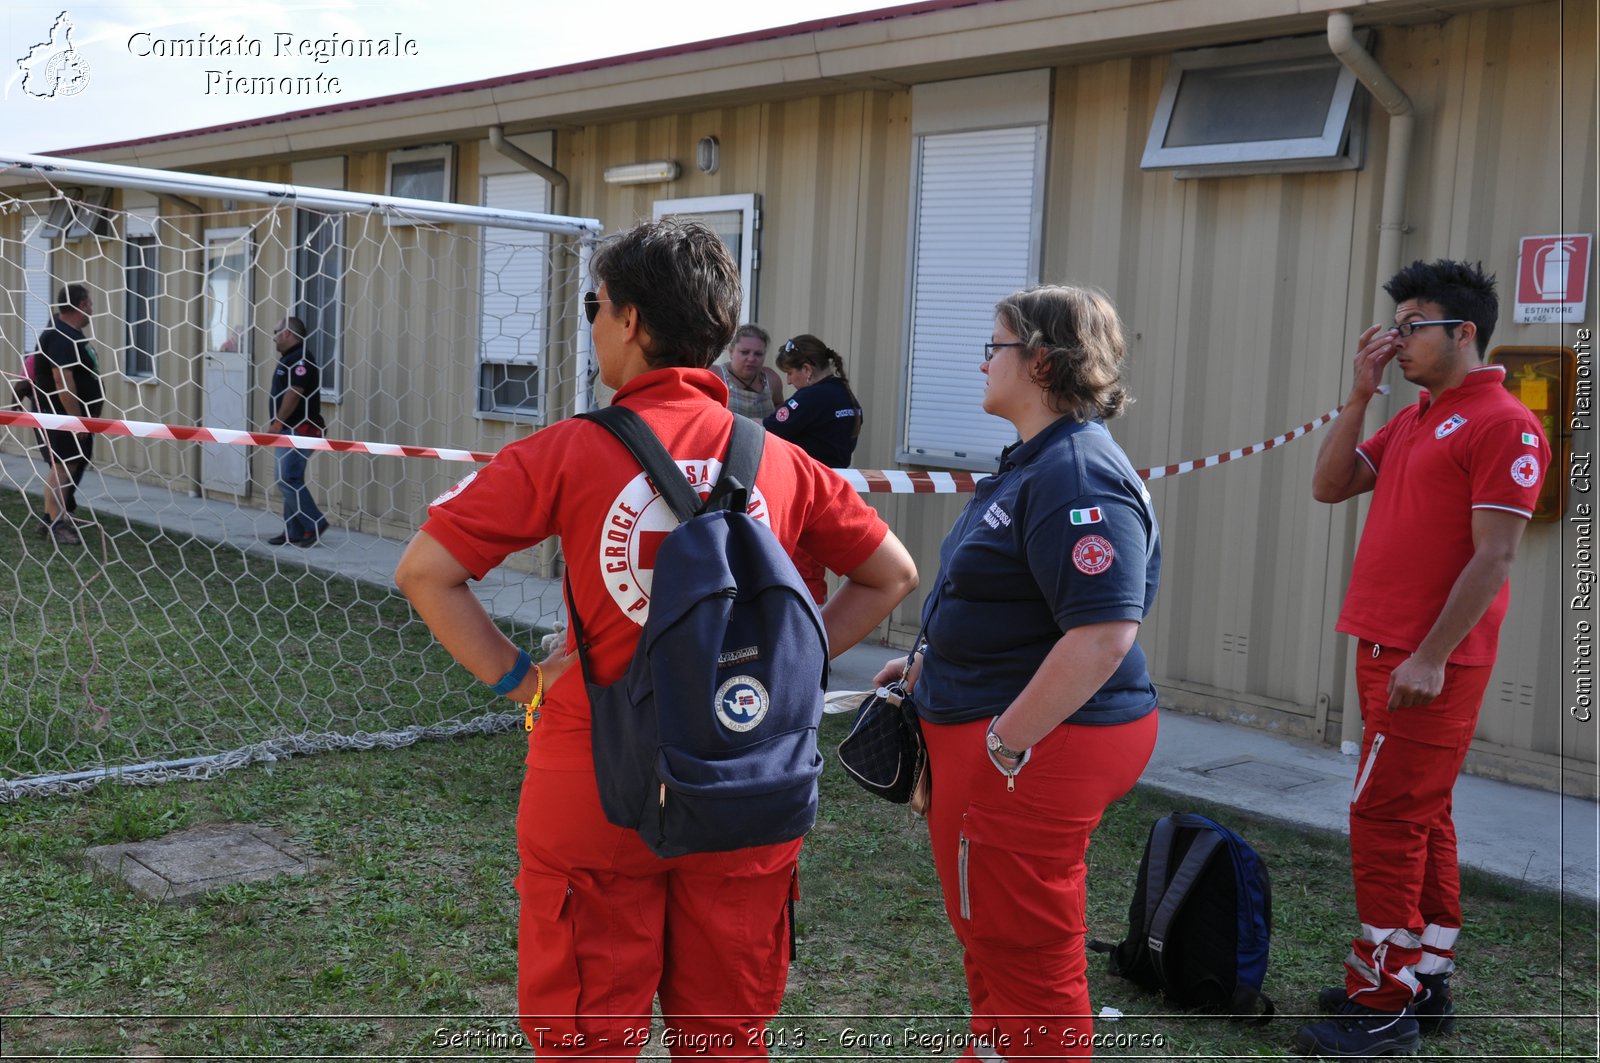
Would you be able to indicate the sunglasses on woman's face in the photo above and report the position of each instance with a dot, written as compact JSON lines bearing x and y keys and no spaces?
{"x":591,"y":305}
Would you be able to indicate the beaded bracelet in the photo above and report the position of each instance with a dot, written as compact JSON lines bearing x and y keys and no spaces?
{"x":513,"y":677}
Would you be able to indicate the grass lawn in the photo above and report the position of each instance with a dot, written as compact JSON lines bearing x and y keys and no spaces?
{"x":139,"y":647}
{"x":406,"y":938}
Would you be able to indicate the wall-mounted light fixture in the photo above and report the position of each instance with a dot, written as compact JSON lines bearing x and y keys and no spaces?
{"x":642,"y":173}
{"x":708,"y":155}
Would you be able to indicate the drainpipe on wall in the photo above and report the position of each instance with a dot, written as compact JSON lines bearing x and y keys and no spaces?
{"x":1391,"y":226}
{"x":558,"y":205}
{"x":557,"y":179}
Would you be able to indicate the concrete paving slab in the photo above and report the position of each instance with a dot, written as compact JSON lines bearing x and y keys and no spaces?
{"x":181,"y":866}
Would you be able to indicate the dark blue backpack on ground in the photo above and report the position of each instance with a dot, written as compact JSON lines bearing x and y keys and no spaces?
{"x":1200,"y":922}
{"x":709,"y":741}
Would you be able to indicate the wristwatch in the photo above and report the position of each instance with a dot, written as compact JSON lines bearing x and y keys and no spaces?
{"x":999,"y":748}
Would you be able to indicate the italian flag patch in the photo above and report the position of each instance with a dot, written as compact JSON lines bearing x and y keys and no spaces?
{"x":1529,"y":439}
{"x":1086,"y":516}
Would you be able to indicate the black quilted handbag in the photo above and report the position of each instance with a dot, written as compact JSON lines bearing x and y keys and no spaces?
{"x":884,"y":752}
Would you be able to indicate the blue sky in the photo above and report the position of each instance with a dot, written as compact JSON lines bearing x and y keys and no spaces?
{"x":132,"y":79}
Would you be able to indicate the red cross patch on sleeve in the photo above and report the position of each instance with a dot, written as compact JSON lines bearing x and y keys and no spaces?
{"x":1093,"y":555}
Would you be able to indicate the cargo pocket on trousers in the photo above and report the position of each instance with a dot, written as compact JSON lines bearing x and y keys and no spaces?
{"x":1020,"y":876}
{"x":547,"y":958}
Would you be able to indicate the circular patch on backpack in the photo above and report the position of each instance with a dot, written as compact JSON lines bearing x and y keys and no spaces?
{"x":741,"y":703}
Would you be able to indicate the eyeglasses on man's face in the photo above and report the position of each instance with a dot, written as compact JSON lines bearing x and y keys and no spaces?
{"x":1404,"y":329}
{"x":990,"y":348}
{"x":591,"y":305}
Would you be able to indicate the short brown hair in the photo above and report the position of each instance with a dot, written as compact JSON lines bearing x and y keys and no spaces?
{"x":680,"y":278}
{"x":1081,"y":336}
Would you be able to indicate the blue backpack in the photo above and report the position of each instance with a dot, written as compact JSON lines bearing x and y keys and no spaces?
{"x":1200,"y":922}
{"x":709,"y":741}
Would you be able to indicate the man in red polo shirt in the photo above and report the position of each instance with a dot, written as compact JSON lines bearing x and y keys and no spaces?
{"x":1454,"y":478}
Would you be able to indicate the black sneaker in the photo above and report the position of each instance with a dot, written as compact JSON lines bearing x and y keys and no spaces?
{"x":1359,"y":1031}
{"x":279,"y":539}
{"x":1331,"y":999}
{"x":1434,"y":1005}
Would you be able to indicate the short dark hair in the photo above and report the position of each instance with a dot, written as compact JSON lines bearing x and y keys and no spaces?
{"x":71,"y":295}
{"x":1460,"y":288}
{"x":680,"y":278}
{"x":1081,"y":336}
{"x":806,"y":349}
{"x":295,"y":325}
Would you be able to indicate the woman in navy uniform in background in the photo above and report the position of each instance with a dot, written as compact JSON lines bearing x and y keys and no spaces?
{"x":822,"y":418}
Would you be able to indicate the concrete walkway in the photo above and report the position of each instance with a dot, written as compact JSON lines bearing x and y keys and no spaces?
{"x":1529,"y":836}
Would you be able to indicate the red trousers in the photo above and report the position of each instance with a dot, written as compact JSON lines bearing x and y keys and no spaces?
{"x":607,"y":925}
{"x":1402,"y":837}
{"x":1011,"y":867}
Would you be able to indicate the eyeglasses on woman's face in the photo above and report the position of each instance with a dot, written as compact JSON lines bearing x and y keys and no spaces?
{"x":990,"y":348}
{"x":591,"y":305}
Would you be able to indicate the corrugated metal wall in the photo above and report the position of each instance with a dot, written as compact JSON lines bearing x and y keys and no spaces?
{"x":1242,"y":297}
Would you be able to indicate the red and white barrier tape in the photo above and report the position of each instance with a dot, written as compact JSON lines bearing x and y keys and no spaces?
{"x":193,"y":434}
{"x":866,"y":481}
{"x":1254,"y":448}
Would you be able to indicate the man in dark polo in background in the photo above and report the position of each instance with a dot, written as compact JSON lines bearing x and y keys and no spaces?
{"x":66,"y":381}
{"x":296,"y":402}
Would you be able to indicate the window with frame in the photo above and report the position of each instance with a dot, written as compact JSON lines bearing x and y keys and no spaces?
{"x":976,"y":214}
{"x":422,"y":173}
{"x":39,"y":239}
{"x":319,"y":292}
{"x":141,"y":280}
{"x":515,"y":312}
{"x":1272,"y":107}
{"x":735,"y":218}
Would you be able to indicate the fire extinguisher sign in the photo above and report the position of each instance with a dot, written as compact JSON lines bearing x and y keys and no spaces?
{"x":1553,"y":279}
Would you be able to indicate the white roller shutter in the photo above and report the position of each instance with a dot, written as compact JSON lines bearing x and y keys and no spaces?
{"x":976,"y":240}
{"x":515,"y":296}
{"x":36,"y":293}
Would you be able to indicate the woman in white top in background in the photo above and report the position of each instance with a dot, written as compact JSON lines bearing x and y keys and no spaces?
{"x":753,"y":390}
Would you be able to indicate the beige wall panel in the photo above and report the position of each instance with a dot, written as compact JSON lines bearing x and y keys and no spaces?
{"x":1262,"y":295}
{"x":1234,"y":297}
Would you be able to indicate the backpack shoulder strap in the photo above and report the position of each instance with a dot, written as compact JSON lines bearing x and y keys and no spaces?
{"x":1158,"y":854}
{"x":739,"y":467}
{"x":647,"y":449}
{"x":1159,"y":919}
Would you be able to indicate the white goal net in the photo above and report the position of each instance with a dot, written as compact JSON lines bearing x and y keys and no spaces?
{"x":176,"y":639}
